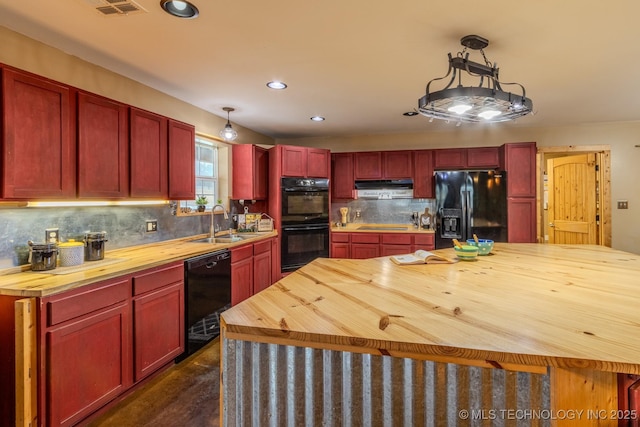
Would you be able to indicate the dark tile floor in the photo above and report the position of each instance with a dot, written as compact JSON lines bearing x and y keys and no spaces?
{"x":187,"y":394}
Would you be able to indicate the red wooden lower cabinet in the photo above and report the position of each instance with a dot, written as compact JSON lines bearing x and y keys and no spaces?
{"x":370,"y":245}
{"x":97,"y":341}
{"x":521,"y":219}
{"x":261,"y":265}
{"x":365,"y":245}
{"x":158,"y":313}
{"x":251,"y":269}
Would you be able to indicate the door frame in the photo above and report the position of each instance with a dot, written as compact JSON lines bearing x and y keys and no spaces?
{"x":603,"y":158}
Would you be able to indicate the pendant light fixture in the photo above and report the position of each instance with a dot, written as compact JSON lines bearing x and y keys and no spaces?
{"x":484,"y":102}
{"x":228,"y":133}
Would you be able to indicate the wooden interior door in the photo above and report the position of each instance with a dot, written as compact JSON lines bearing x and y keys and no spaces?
{"x":572,"y":202}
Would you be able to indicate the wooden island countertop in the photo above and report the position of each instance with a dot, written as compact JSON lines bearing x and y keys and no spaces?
{"x":524,"y":307}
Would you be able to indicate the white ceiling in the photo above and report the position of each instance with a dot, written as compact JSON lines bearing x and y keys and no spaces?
{"x":359,"y":63}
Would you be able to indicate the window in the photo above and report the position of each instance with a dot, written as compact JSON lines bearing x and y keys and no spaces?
{"x":206,"y":171}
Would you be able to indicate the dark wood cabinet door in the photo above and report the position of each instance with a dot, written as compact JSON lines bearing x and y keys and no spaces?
{"x":450,"y":158}
{"x":87,"y":364}
{"x":103,"y":147}
{"x":342,"y":185}
{"x":483,"y":157}
{"x":148,"y":154}
{"x":423,"y":182}
{"x":397,"y":164}
{"x":158,"y":328}
{"x":318,"y":161}
{"x":520,"y":164}
{"x":521,"y":220}
{"x":294,"y":161}
{"x":367,"y":165}
{"x":39,"y":152}
{"x":250,"y":172}
{"x":182,"y":155}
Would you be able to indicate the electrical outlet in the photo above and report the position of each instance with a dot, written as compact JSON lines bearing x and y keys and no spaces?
{"x":152,"y":226}
{"x":623,"y":204}
{"x":52,"y":235}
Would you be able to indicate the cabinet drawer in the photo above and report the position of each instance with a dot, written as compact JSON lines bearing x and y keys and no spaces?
{"x":262,"y":247}
{"x":396,"y":239}
{"x":340,"y":237}
{"x":424,"y":239}
{"x":157,"y":278}
{"x":62,"y":308}
{"x":240,"y":253}
{"x":365,"y":238}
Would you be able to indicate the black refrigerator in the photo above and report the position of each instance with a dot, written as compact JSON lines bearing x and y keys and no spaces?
{"x":468,"y":203}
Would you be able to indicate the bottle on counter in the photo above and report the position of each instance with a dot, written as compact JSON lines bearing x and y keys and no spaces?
{"x":426,"y":220}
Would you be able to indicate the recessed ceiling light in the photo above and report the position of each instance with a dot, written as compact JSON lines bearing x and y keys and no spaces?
{"x":179,"y":8}
{"x":278,"y":85}
{"x":317,"y":118}
{"x":410,"y":113}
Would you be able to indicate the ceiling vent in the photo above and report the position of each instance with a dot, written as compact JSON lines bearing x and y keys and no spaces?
{"x":116,"y":7}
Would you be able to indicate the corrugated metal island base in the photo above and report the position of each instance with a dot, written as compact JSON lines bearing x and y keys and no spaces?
{"x":532,"y":335}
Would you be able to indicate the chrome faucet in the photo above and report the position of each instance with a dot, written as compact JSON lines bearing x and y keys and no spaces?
{"x":216,"y":227}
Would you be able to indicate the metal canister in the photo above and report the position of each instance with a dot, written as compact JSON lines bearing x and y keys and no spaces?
{"x":94,"y":242}
{"x":43,"y":256}
{"x":71,"y":253}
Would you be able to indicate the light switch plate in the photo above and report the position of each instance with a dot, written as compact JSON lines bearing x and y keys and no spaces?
{"x":623,"y":204}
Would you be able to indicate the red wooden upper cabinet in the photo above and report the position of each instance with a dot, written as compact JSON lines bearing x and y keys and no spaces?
{"x":182,"y":156}
{"x":342,"y":185}
{"x":423,"y":182}
{"x":520,"y":164}
{"x":383,"y":165}
{"x":250,"y":172}
{"x":103,"y":147}
{"x":397,"y":164}
{"x":38,"y":144}
{"x":148,"y":151}
{"x":483,"y":157}
{"x":367,"y":165}
{"x":304,"y":161}
{"x":450,"y":158}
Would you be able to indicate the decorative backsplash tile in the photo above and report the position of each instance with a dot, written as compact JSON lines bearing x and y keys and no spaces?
{"x":394,"y":211}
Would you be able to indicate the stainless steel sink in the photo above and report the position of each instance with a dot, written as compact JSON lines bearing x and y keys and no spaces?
{"x":230,"y":239}
{"x":382,"y":228}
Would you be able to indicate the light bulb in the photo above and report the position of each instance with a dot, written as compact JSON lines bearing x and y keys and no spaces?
{"x":180,"y":5}
{"x":228,"y":133}
{"x":460,"y":107}
{"x":489,"y":114}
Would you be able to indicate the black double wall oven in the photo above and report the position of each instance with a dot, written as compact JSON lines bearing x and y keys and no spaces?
{"x":305,"y":221}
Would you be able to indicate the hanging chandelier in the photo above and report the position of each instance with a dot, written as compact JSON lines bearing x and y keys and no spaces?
{"x":484,"y":102}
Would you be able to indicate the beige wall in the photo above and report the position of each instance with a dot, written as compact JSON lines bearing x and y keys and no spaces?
{"x":620,"y":137}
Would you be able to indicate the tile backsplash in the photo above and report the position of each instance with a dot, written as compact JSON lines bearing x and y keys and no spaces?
{"x":125,"y":226}
{"x":394,"y":211}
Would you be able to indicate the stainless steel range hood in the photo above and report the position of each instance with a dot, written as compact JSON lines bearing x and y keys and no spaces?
{"x":384,"y":189}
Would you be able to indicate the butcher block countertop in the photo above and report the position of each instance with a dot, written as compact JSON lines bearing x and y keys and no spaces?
{"x":378,"y":228}
{"x":117,"y":262}
{"x":524,"y":307}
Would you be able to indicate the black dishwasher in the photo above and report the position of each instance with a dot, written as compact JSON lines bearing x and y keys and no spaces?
{"x":208,"y":293}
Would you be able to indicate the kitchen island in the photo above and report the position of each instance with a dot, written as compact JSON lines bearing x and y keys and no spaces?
{"x":532,"y":333}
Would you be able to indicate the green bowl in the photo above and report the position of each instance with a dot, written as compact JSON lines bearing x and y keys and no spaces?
{"x":484,"y":245}
{"x":466,"y":252}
